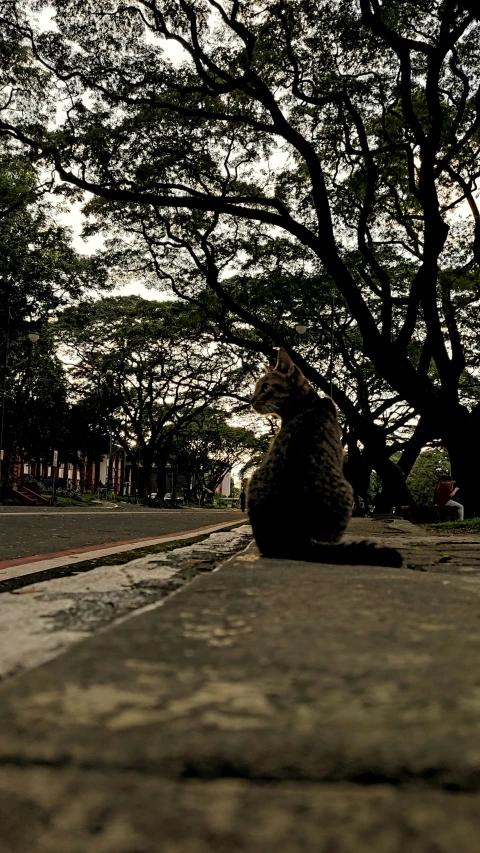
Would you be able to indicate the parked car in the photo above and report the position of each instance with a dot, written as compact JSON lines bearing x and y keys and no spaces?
{"x":168,"y":497}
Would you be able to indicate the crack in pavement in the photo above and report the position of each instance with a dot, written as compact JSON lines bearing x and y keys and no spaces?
{"x":46,"y":617}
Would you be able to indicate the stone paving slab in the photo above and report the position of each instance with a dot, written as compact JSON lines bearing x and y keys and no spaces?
{"x":268,"y":706}
{"x":423,"y":550}
{"x":62,"y":811}
{"x":271,"y":670}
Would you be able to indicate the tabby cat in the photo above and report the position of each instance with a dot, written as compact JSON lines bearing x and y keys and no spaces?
{"x":299,"y":502}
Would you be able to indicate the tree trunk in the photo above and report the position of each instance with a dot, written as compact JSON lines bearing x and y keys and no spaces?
{"x":80,"y":462}
{"x":145,"y":474}
{"x":109,"y":483}
{"x":395,"y":492}
{"x":161,"y":463}
{"x":461,"y":443}
{"x":188,"y":486}
{"x":376,"y":456}
{"x":356,"y":469}
{"x":422,"y":433}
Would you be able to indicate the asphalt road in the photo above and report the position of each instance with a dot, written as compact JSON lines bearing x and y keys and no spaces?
{"x":25,"y":532}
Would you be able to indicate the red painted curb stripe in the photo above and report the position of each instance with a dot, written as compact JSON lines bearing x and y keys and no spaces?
{"x":22,"y":561}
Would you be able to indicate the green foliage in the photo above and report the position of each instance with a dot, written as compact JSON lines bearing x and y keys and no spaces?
{"x":40,"y":272}
{"x":347,"y":130}
{"x":424,"y":476}
{"x":208,"y":448}
{"x":142,"y":372}
{"x":472,"y":524}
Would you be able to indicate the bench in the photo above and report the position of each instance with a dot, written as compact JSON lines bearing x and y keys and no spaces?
{"x":446,"y":513}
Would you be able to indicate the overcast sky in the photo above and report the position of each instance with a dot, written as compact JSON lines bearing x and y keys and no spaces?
{"x":73,"y":218}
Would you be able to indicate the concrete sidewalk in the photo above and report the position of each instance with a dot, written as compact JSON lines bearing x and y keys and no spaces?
{"x":271,"y":706}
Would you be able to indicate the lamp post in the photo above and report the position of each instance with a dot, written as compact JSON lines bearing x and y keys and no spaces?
{"x":302,"y":327}
{"x":4,"y":390}
{"x":124,"y":488}
{"x":332,"y":321}
{"x":33,"y":337}
{"x":134,"y":456}
{"x":109,"y":472}
{"x":136,"y":452}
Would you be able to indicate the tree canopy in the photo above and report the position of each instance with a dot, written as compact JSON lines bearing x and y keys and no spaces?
{"x":39,"y":273}
{"x":209,"y":448}
{"x":142,"y":371}
{"x":425,"y":474}
{"x":350,"y":128}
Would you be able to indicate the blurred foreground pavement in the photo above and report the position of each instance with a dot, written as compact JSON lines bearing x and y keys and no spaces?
{"x":271,"y":706}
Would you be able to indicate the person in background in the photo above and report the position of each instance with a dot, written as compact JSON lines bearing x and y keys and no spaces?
{"x":444,"y":493}
{"x":243,"y":499}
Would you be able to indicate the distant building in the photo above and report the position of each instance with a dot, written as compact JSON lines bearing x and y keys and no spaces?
{"x":90,"y":476}
{"x":87,"y":476}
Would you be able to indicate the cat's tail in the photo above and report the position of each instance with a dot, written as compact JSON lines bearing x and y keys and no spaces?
{"x":350,"y":553}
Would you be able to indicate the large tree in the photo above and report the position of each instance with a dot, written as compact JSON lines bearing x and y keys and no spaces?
{"x":142,"y":371}
{"x":40,"y":272}
{"x":256,"y":311}
{"x":208,"y":448}
{"x":352,"y":127}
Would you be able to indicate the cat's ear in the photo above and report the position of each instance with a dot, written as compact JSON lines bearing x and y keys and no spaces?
{"x":284,"y":363}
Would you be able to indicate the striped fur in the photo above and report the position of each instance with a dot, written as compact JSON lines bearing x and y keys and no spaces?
{"x":299,"y":500}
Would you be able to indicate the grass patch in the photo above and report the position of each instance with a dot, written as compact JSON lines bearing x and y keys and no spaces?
{"x":88,"y":497}
{"x":467,"y":524}
{"x":86,"y":500}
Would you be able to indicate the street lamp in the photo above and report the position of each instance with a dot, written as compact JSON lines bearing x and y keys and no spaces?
{"x":135,"y":457}
{"x":33,"y":337}
{"x":109,"y":472}
{"x":4,"y":391}
{"x":301,"y":328}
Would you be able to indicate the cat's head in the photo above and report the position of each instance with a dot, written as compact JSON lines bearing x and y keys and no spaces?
{"x":276,"y":389}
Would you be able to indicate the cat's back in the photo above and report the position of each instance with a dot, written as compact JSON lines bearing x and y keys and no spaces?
{"x":299,"y":493}
{"x":305,"y":467}
{"x":307,"y":447}
{"x":312,"y":431}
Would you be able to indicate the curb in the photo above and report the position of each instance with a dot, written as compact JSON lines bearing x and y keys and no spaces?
{"x":44,"y":562}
